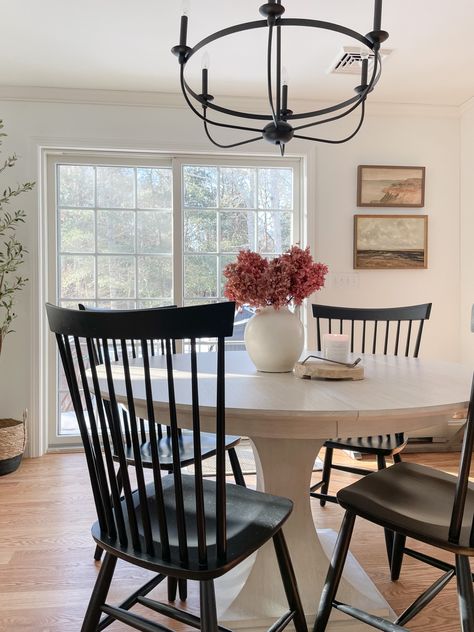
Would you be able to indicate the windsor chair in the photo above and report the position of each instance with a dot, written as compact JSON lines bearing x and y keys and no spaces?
{"x":182,"y":526}
{"x":389,"y":330}
{"x":421,"y":503}
{"x":163,"y":432}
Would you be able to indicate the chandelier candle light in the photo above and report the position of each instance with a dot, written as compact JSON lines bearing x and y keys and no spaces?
{"x":274,"y":337}
{"x":279,"y":124}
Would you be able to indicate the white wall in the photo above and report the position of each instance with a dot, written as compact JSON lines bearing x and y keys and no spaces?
{"x":396,"y":140}
{"x":467,"y":234}
{"x":388,"y":137}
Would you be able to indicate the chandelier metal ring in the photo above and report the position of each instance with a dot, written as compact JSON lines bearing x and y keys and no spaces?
{"x":279,"y":130}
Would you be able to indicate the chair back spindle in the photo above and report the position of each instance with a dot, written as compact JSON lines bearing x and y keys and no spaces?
{"x":370,"y":330}
{"x":105,"y":374}
{"x":156,"y":347}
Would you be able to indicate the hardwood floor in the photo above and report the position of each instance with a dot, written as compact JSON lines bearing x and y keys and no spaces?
{"x":47,"y":570}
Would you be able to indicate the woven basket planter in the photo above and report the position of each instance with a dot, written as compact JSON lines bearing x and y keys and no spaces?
{"x":12,"y":444}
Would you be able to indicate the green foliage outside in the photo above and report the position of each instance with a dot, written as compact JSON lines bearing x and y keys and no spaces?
{"x":116,"y":229}
{"x":12,"y":253}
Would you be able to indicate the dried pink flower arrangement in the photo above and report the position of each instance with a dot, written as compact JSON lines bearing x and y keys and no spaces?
{"x":259,"y":282}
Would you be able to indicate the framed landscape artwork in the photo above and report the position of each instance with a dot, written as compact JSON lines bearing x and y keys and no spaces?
{"x":390,"y":186}
{"x":390,"y":241}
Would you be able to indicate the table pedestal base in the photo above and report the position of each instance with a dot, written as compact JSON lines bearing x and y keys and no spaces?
{"x":252,"y":597}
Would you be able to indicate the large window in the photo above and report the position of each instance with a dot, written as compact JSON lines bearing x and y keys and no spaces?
{"x":145,"y":232}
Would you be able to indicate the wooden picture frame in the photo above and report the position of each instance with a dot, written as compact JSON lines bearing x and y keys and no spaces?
{"x":383,"y":242}
{"x":387,"y":186}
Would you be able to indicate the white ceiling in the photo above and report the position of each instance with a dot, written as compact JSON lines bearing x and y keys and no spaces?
{"x":125,"y":45}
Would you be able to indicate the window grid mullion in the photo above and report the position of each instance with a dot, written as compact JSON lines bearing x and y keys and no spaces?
{"x":96,"y":227}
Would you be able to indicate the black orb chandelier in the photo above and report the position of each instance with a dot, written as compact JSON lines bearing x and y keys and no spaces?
{"x":282,"y":124}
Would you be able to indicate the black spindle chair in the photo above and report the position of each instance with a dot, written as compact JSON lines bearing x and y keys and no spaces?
{"x":182,"y":526}
{"x":391,"y":330}
{"x":163,"y":433}
{"x":418,"y":502}
{"x":387,"y":330}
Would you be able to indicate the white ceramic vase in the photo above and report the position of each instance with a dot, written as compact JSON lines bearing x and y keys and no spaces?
{"x":274,"y":339}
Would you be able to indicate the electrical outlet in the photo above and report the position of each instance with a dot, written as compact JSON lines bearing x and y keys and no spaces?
{"x":345,"y":280}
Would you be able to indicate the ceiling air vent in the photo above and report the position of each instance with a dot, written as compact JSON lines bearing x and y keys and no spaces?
{"x":349,"y":60}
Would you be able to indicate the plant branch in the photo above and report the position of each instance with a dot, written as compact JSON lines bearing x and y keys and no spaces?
{"x":12,"y":253}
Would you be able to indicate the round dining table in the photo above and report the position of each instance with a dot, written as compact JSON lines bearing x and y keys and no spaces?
{"x":287,"y":420}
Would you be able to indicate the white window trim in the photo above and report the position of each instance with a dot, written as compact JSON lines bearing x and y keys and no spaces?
{"x":43,"y":393}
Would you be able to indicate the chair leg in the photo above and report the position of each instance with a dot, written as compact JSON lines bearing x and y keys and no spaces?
{"x":97,"y":553}
{"x":335,"y":572}
{"x":208,"y":607}
{"x":397,"y":556}
{"x":381,"y":465}
{"x":381,"y":462}
{"x":99,"y":594}
{"x":236,"y":469}
{"x":326,"y":474}
{"x":183,"y":589}
{"x":465,"y":593}
{"x":289,"y":581}
{"x":397,"y":458}
{"x":172,"y":588}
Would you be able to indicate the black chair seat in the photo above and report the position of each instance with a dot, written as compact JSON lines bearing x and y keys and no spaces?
{"x":414,"y":500}
{"x":383,"y":444}
{"x":252,"y":519}
{"x":186,"y":449}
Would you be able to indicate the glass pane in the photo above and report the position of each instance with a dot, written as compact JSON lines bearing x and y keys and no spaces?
{"x":76,"y":231}
{"x":200,"y":231}
{"x":200,"y":276}
{"x":223,"y":261}
{"x":189,"y":302}
{"x":154,"y":232}
{"x":115,"y":231}
{"x":275,"y":188}
{"x":154,"y":188}
{"x":120,"y":304}
{"x":77,"y":277}
{"x":74,"y":304}
{"x":155,"y":277}
{"x":116,"y":277}
{"x":155,"y":302}
{"x":274,"y":232}
{"x":237,"y":231}
{"x":237,"y":188}
{"x":116,"y":187}
{"x":200,"y":186}
{"x":76,"y":185}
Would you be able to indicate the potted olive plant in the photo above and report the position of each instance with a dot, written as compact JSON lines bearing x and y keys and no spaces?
{"x":12,"y":254}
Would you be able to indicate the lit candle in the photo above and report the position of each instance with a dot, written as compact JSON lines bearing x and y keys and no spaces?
{"x":336,"y":347}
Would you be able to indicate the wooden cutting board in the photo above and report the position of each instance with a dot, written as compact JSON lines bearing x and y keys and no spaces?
{"x":317,"y":369}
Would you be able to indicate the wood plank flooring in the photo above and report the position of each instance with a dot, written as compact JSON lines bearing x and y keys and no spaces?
{"x":47,"y":570}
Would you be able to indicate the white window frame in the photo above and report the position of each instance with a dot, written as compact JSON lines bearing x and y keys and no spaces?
{"x":55,"y":157}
